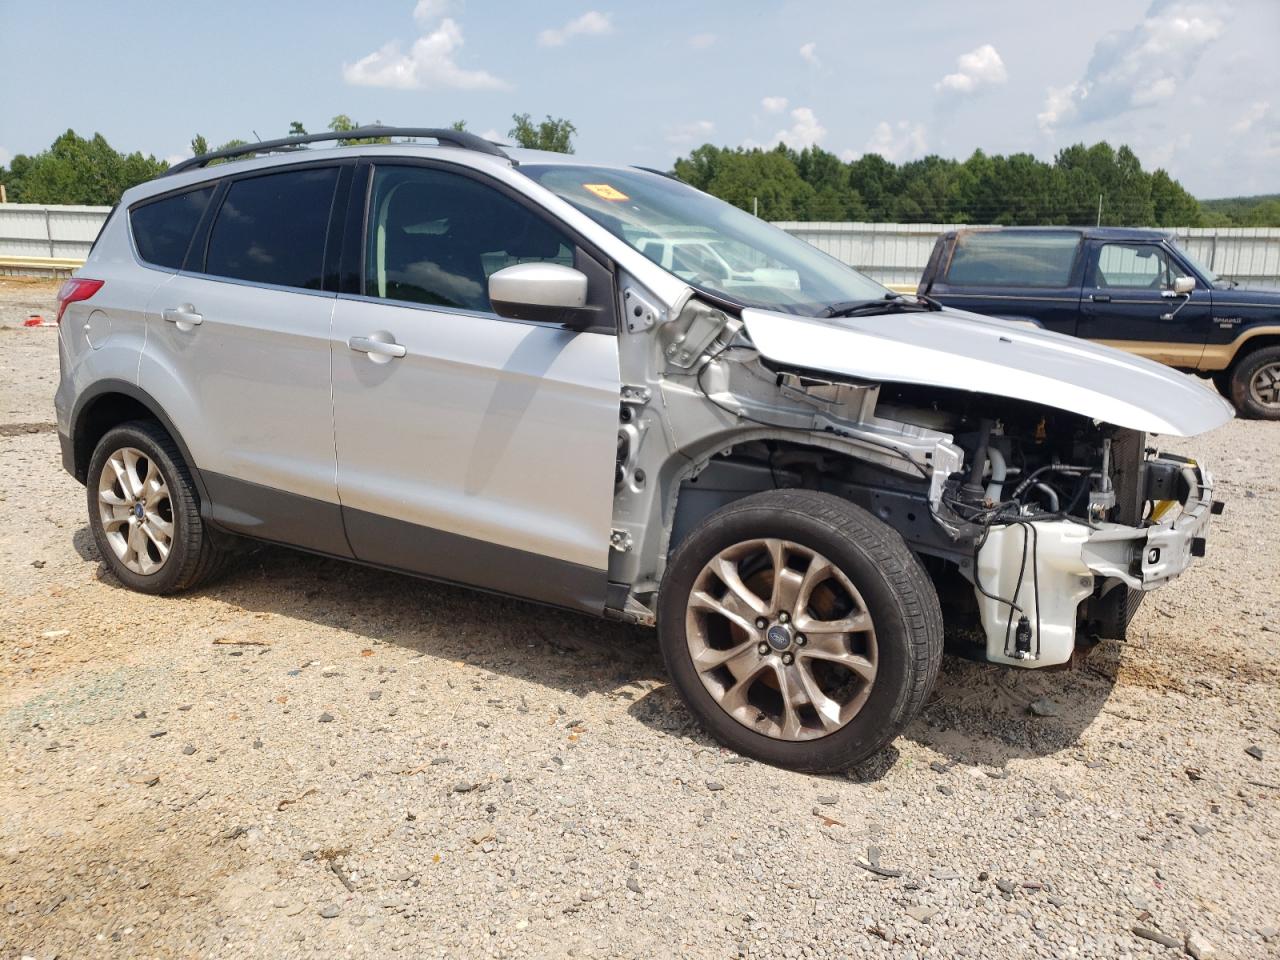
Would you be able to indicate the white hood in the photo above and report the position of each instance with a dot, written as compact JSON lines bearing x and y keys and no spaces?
{"x":965,"y":351}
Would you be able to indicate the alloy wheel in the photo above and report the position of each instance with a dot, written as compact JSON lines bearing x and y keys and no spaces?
{"x":136,"y":510}
{"x":781,"y":639}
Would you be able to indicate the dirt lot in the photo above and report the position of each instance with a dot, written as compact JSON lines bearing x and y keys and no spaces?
{"x":313,"y":759}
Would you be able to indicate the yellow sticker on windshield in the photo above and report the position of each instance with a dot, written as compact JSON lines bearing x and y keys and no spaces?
{"x":605,"y":192}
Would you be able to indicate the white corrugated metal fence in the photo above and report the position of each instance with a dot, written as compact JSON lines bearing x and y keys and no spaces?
{"x":36,"y":230}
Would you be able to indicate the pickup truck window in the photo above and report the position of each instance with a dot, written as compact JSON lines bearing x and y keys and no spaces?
{"x":1196,"y":263}
{"x":1140,"y":265}
{"x":1012,"y":259}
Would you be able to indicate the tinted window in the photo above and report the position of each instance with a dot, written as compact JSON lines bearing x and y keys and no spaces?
{"x":271,"y":229}
{"x":435,"y":237}
{"x":163,"y":229}
{"x":1134,"y":265}
{"x":996,"y":259}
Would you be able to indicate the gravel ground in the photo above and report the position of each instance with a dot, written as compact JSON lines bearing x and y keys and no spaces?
{"x":311,"y":758}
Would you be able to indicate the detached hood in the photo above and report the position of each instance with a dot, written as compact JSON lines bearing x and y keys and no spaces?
{"x":965,"y":351}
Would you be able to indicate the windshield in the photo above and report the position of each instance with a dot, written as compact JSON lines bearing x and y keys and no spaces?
{"x":706,"y":242}
{"x":1204,"y":271}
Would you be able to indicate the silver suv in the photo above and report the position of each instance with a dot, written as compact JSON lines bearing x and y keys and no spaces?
{"x":595,"y":387}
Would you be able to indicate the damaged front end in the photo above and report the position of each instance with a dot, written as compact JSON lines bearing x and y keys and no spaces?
{"x":1042,"y":527}
{"x":1065,"y":549}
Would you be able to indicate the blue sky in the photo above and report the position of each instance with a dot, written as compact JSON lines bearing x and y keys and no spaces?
{"x":1192,"y":85}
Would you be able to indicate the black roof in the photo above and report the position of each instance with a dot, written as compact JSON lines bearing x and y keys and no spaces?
{"x":1090,"y":233}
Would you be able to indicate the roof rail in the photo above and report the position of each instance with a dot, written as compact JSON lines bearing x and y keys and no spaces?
{"x":669,"y":174}
{"x":453,"y":138}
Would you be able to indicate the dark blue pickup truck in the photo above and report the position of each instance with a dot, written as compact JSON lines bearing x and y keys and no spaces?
{"x":1132,"y":289}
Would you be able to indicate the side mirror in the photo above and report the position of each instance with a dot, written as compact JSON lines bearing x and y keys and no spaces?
{"x":549,"y":292}
{"x":1182,"y":287}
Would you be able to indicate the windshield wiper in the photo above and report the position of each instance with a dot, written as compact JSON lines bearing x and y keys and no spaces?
{"x":889,"y":303}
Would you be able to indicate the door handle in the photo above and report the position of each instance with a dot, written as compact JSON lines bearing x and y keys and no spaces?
{"x":1100,"y":297}
{"x":185,"y":314}
{"x":380,"y":346}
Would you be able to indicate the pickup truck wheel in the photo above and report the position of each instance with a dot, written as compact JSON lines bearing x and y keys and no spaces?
{"x":145,"y":514}
{"x":801,"y":630}
{"x":1255,"y":384}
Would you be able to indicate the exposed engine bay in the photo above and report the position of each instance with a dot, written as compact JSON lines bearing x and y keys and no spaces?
{"x":1040,"y":527}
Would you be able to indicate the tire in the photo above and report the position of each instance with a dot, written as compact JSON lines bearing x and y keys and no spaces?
{"x":870,"y":571}
{"x":1222,"y":381}
{"x":1255,"y":384}
{"x":193,"y":556}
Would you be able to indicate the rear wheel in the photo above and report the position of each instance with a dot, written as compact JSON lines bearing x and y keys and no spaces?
{"x":145,"y":514}
{"x":1255,"y":384}
{"x":801,"y":630}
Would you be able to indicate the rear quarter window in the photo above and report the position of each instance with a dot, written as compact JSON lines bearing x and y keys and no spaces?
{"x":162,"y":229}
{"x":997,"y":259}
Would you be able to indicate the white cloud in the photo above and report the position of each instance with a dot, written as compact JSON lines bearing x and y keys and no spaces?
{"x":773,"y":104}
{"x":805,"y":130}
{"x":1059,"y":107}
{"x":5,"y":156}
{"x":171,"y":159}
{"x":1256,"y":111}
{"x":809,"y":54}
{"x":895,"y":141}
{"x":685,"y":133}
{"x":976,"y":69}
{"x":493,"y":135}
{"x":591,"y":23}
{"x":427,"y":12}
{"x":429,"y":64}
{"x":1142,"y":66}
{"x":700,"y":41}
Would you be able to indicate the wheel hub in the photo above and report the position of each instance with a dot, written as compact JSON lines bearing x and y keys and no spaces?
{"x":1265,"y":385}
{"x":779,"y":637}
{"x":135,"y":510}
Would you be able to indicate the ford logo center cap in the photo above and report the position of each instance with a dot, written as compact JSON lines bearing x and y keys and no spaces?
{"x":779,"y":637}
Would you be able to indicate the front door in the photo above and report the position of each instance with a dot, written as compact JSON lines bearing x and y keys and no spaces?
{"x":471,"y":448}
{"x":1128,"y":302}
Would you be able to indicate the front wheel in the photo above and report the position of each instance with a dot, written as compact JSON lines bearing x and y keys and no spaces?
{"x":801,"y":630}
{"x":1255,"y":384}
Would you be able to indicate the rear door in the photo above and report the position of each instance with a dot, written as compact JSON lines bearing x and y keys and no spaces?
{"x":1128,"y":303}
{"x":472,"y":448}
{"x":238,"y":355}
{"x":1020,"y":275}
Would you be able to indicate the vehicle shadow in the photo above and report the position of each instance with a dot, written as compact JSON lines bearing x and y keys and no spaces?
{"x":576,"y":653}
{"x":981,"y":714}
{"x":977,"y":715}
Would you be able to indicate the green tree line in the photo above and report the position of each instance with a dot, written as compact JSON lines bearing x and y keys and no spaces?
{"x":1081,"y":185}
{"x":90,"y":171}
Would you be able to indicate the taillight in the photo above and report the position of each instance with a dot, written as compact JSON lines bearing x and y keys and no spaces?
{"x":75,"y":290}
